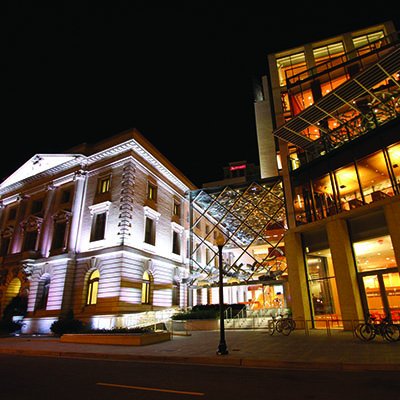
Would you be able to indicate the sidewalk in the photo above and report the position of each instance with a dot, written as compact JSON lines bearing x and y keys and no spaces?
{"x":247,"y":348}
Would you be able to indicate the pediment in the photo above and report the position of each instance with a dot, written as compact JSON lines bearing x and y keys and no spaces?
{"x":36,"y":165}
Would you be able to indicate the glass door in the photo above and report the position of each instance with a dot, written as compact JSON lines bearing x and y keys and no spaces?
{"x":382,"y":294}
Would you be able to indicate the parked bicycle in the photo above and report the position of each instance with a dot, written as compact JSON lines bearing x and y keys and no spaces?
{"x":368,"y":330}
{"x":282,"y":324}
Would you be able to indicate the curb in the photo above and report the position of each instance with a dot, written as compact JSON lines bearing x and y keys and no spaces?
{"x":216,"y":361}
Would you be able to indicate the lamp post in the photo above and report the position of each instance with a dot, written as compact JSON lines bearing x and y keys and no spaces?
{"x":222,"y":348}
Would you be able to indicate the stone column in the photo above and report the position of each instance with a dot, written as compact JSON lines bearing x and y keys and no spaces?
{"x":77,"y":209}
{"x":298,"y":300}
{"x":46,"y":228}
{"x":345,"y":272}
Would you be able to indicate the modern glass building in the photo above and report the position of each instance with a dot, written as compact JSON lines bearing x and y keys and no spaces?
{"x":328,"y":125}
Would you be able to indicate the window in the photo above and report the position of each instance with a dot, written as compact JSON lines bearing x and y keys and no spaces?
{"x":12,"y":213}
{"x":150,"y":231}
{"x":103,"y":185}
{"x":36,"y":207}
{"x":146,"y":281}
{"x":98,"y":226}
{"x":290,"y":66}
{"x":65,"y":196}
{"x":151,"y":192}
{"x":58,"y":241}
{"x":5,"y":245}
{"x":176,"y":242}
{"x":93,"y":287}
{"x":177,"y":209}
{"x":43,"y":293}
{"x":30,"y":241}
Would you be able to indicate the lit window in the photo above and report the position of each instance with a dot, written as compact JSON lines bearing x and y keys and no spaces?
{"x":103,"y":185}
{"x":93,"y":287}
{"x":146,"y":281}
{"x":177,"y":209}
{"x":151,"y":192}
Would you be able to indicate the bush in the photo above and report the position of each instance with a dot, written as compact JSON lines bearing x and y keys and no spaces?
{"x":9,"y":326}
{"x":17,"y":306}
{"x":67,"y":324}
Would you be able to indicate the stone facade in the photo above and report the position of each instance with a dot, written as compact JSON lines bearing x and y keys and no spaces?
{"x":64,"y":217}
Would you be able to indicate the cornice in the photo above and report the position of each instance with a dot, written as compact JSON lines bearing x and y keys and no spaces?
{"x":87,"y":161}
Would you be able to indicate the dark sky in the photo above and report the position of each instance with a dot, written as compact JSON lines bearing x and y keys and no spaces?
{"x":180,"y":75}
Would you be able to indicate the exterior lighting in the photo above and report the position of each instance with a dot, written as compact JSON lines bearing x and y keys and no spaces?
{"x":222,"y":348}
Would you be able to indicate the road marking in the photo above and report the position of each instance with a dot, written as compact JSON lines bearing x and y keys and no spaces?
{"x":151,"y":389}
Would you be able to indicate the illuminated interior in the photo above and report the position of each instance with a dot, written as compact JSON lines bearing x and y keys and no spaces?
{"x":368,"y":180}
{"x":378,"y":271}
{"x":252,"y":221}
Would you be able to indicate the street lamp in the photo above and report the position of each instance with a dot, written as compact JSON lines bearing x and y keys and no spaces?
{"x":222,"y":348}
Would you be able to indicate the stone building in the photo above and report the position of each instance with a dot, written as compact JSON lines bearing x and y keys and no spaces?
{"x":101,"y":231}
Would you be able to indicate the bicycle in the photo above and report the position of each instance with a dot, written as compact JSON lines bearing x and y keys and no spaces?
{"x":369,"y":329}
{"x":284,"y":325}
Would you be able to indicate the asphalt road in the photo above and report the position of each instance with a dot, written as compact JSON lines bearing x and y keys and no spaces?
{"x":66,"y":378}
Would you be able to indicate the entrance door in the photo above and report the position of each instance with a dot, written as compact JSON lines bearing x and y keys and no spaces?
{"x":382,"y":294}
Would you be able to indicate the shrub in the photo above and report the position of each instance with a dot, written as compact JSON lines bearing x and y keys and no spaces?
{"x":67,"y":324}
{"x":9,"y":326}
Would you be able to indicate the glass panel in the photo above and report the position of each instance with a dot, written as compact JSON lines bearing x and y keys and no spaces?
{"x":374,"y":299}
{"x":375,"y":253}
{"x":303,"y":204}
{"x":323,"y":197}
{"x":323,"y":290}
{"x":348,"y":188}
{"x":289,"y":66}
{"x":392,"y":287}
{"x":374,"y":177}
{"x":394,"y":156}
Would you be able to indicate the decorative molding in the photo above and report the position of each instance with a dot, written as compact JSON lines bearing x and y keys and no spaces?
{"x":177,"y":228}
{"x":126,"y":201}
{"x":150,"y":213}
{"x":100,"y":207}
{"x":32,"y":223}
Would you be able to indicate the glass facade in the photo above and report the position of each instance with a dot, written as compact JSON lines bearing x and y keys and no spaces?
{"x":252,"y":220}
{"x":379,"y":277}
{"x":368,"y":179}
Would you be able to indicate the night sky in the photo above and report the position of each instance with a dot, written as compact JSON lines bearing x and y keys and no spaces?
{"x":183,"y":76}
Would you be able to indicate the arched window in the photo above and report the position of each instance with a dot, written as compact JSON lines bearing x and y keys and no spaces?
{"x":12,"y":290}
{"x":146,"y":281}
{"x":43,"y":293}
{"x":93,"y":287}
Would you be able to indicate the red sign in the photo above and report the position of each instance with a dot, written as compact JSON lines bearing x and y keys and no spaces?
{"x":235,"y":167}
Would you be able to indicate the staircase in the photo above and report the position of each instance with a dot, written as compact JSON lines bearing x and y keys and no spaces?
{"x":252,"y":319}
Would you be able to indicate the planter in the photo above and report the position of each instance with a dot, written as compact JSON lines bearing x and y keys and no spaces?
{"x":195,"y":325}
{"x":124,"y":339}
